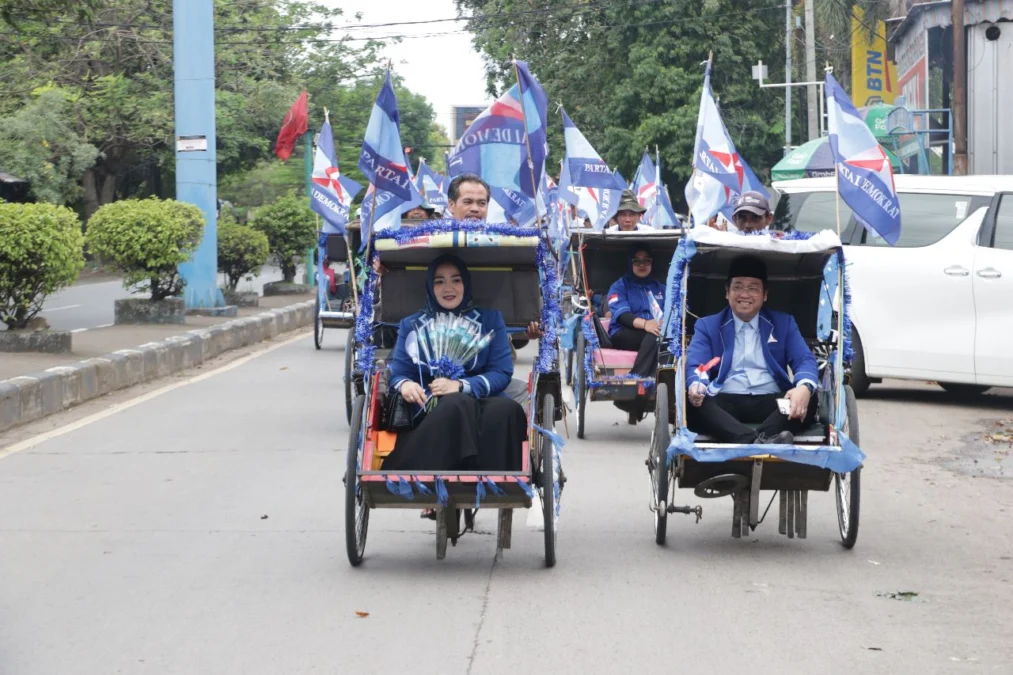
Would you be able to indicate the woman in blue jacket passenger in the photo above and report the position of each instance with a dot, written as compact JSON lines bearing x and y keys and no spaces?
{"x":635,"y":301}
{"x":474,"y":426}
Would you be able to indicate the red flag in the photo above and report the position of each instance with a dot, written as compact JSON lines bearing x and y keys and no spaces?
{"x":292,"y":128}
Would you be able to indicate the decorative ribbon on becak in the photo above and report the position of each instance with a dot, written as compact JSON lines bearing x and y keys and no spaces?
{"x":401,"y":488}
{"x":421,"y":487}
{"x":442,"y":497}
{"x":557,"y":465}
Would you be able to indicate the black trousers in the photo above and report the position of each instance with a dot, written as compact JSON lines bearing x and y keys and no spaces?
{"x":463,"y":433}
{"x":644,"y":344}
{"x":725,"y":416}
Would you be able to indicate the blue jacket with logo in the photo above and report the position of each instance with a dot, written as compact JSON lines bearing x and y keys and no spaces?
{"x":627,"y":295}
{"x":488,"y":374}
{"x":783,"y":347}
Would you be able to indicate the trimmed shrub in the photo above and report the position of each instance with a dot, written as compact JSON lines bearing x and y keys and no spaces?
{"x":290,"y":226}
{"x":41,"y":251}
{"x":242,"y":251}
{"x":147,"y":239}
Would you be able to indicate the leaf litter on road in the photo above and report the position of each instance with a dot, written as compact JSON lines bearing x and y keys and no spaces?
{"x":906,"y":596}
{"x":361,"y":615}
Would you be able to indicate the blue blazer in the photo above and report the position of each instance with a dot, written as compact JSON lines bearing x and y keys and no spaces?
{"x":625,"y":296}
{"x":783,"y":347}
{"x":488,"y":374}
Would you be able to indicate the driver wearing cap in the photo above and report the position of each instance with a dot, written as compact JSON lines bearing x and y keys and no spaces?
{"x":752,"y":212}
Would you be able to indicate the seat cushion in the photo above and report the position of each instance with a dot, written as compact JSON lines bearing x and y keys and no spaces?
{"x":614,"y":358}
{"x":604,"y":324}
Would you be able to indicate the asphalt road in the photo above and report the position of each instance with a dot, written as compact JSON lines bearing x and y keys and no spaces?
{"x":201,"y":531}
{"x":90,"y":304}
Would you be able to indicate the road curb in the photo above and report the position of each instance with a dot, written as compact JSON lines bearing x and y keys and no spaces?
{"x":31,"y":397}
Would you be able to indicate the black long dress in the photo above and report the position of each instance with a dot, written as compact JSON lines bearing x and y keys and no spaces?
{"x":463,"y":433}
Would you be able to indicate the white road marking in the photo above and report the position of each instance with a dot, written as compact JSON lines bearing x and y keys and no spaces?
{"x":79,"y":330}
{"x":126,"y":405}
{"x":58,"y":309}
{"x":105,"y":325}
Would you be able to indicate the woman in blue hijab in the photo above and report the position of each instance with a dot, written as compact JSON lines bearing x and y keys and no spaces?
{"x":635,"y":301}
{"x":474,"y":426}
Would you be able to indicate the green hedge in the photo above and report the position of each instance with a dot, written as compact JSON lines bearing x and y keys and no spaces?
{"x":41,"y":251}
{"x":147,"y":239}
{"x":242,"y":251}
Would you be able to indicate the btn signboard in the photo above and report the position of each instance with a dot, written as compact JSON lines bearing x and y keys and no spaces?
{"x":872,"y":80}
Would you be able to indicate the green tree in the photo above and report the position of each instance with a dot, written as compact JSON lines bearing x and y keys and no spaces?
{"x":242,"y":251}
{"x":41,"y":251}
{"x":39,"y":144}
{"x":116,"y":66}
{"x":290,"y":227}
{"x":630,"y":73}
{"x":147,"y":240}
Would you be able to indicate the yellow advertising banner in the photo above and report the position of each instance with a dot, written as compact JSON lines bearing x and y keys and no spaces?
{"x":872,"y":79}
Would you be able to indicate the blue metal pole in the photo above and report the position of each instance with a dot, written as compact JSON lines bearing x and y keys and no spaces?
{"x":196,"y":156}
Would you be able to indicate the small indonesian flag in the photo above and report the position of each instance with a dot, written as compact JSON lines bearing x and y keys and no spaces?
{"x":704,"y":368}
{"x":614,"y":298}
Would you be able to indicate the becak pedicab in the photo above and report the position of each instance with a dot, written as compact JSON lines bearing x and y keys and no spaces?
{"x":822,"y":453}
{"x":462,"y":346}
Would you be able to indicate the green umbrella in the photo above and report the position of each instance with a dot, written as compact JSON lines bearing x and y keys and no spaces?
{"x":814,"y":159}
{"x":877,"y":119}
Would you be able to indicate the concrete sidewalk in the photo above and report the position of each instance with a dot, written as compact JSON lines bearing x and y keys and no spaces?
{"x":98,"y":341}
{"x":104,"y":360}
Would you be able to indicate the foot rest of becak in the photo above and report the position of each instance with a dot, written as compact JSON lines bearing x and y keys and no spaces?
{"x":614,"y":358}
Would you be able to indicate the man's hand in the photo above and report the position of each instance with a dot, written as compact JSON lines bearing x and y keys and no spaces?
{"x":799,"y":399}
{"x":534,"y":332}
{"x":652,"y":327}
{"x":441,"y":386}
{"x":413,"y":392}
{"x":697,"y":392}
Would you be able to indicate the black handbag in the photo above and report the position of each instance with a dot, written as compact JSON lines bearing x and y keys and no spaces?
{"x":603,"y":337}
{"x":396,"y":414}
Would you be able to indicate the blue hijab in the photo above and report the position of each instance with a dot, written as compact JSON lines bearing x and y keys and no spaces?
{"x":432,"y":305}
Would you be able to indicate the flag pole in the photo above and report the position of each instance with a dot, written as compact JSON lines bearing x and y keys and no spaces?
{"x":527,"y":140}
{"x":657,"y":186}
{"x":839,"y":361}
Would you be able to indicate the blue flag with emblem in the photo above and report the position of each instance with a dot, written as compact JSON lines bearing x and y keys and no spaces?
{"x":331,"y":193}
{"x":645,"y":186}
{"x":382,"y":158}
{"x":506,"y":144}
{"x":583,"y":168}
{"x":864,"y":175}
{"x":433,"y":186}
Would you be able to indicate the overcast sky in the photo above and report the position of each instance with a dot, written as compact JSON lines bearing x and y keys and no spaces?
{"x":428,"y":54}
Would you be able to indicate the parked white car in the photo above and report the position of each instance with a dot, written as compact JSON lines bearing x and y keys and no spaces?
{"x":938,"y":305}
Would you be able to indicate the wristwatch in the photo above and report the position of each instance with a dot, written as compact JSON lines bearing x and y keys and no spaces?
{"x":460,"y":386}
{"x":810,"y":387}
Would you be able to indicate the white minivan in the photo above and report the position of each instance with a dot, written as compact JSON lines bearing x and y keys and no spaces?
{"x":938,"y":305}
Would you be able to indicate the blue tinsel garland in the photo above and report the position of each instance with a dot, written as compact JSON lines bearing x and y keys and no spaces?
{"x":551,"y":313}
{"x":682,"y":258}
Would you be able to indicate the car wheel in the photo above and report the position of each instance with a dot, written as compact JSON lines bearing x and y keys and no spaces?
{"x":859,"y":379}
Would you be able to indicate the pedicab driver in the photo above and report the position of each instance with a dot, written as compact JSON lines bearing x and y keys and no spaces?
{"x":468,"y":199}
{"x":752,"y":213}
{"x":756,"y":346}
{"x":628,"y":215}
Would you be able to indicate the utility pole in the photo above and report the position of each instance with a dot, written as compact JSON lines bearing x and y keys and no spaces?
{"x":959,"y":101}
{"x":787,"y":76}
{"x":196,"y":158}
{"x":810,"y":70}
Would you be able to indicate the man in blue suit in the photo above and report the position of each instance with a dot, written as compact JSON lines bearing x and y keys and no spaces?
{"x":738,"y":363}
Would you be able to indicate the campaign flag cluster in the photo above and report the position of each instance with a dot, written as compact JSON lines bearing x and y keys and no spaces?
{"x":331,"y":193}
{"x":391,"y":191}
{"x":506,"y":144}
{"x":864,"y":175}
{"x":645,"y":186}
{"x":719,"y":173}
{"x":584,"y":168}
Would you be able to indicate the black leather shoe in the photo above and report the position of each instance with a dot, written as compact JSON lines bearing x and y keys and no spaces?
{"x":783,"y":438}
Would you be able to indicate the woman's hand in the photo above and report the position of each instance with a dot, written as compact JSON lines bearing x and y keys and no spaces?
{"x":441,"y":386}
{"x":413,"y":392}
{"x":652,"y":327}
